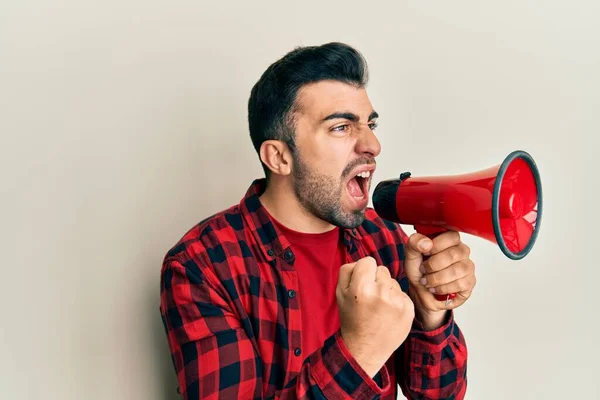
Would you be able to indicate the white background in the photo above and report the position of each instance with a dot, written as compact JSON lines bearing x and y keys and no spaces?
{"x":123,"y":123}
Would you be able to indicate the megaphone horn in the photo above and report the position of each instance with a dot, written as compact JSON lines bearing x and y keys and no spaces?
{"x":502,"y":204}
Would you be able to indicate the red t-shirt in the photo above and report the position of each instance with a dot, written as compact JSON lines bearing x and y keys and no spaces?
{"x":319,"y":257}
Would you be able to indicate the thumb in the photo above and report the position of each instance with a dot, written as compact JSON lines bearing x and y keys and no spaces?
{"x":417,"y":245}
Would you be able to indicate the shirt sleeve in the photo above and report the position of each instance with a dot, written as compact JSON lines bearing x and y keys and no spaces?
{"x":430,"y":364}
{"x":433,"y":364}
{"x":215,"y":357}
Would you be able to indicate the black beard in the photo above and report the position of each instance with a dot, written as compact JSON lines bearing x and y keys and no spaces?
{"x":321,"y":194}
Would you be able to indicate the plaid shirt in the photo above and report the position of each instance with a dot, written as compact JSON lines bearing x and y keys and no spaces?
{"x":234,"y":328}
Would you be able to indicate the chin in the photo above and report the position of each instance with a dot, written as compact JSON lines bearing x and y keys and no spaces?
{"x":352,"y":219}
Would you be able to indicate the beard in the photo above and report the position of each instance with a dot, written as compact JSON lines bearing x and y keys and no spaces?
{"x":321,"y":194}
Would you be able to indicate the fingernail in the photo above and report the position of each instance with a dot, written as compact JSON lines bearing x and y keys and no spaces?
{"x":423,"y":281}
{"x":425,"y":245}
{"x":422,"y":269}
{"x":432,"y":290}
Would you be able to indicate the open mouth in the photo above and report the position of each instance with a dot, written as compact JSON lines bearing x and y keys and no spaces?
{"x":358,"y":187}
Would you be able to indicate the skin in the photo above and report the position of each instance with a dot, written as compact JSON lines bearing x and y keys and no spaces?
{"x":307,"y":192}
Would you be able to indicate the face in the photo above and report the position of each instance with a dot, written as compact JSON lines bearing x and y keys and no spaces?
{"x":336,"y":149}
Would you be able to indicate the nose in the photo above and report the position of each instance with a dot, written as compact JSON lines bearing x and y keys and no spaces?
{"x":367,"y":143}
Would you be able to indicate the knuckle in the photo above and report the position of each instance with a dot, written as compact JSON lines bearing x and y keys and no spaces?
{"x":364,"y":260}
{"x":369,"y":261}
{"x":346,"y":268}
{"x":394,"y":285}
{"x":453,"y":273}
{"x":459,"y":269}
{"x":428,"y":265}
{"x":454,"y":253}
{"x":382,"y":269}
{"x":445,"y":289}
{"x":369,"y":295}
{"x":465,"y":268}
{"x":469,"y":266}
{"x":402,"y":300}
{"x":466,"y":250}
{"x":432,"y":280}
{"x":456,"y":236}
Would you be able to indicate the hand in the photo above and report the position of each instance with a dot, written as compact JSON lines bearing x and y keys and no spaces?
{"x":448,"y":270}
{"x":375,"y":314}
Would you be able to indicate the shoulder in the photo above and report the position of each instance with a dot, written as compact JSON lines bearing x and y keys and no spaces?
{"x":203,"y":244}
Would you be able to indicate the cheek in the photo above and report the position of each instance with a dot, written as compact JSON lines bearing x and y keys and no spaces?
{"x":333,"y":156}
{"x":325,"y":154}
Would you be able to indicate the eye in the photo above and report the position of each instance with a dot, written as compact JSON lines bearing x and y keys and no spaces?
{"x":341,"y":128}
{"x":373,"y":125}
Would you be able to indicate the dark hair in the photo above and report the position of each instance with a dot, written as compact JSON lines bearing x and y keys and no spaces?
{"x":272,"y":100}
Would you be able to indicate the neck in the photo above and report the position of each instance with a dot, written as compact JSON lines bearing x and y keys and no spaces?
{"x":281,"y":202}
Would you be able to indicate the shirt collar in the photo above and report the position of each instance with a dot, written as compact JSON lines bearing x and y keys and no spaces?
{"x":271,"y":240}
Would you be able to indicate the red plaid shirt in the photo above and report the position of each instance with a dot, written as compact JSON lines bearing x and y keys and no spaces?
{"x":234,"y":326}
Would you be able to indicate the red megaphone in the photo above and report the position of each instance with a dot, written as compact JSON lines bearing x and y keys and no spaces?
{"x":502,"y":204}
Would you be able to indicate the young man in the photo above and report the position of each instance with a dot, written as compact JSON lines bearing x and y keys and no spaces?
{"x":300,"y":290}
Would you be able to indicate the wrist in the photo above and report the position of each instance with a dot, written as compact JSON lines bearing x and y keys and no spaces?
{"x":368,"y":360}
{"x":429,"y":319}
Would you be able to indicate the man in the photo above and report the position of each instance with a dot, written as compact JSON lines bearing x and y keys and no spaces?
{"x":300,"y":290}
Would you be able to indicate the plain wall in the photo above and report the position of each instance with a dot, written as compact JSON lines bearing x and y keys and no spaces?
{"x":123,"y":123}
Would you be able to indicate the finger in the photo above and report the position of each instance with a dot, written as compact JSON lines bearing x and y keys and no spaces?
{"x":449,"y":274}
{"x":397,"y":293}
{"x":417,"y":245}
{"x":345,"y":275}
{"x":382,"y":274}
{"x":405,"y":301}
{"x":462,"y":285}
{"x":445,"y":258}
{"x":364,"y":271}
{"x":444,"y":241}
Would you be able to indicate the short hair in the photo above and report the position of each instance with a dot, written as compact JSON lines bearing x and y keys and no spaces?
{"x":273,"y":98}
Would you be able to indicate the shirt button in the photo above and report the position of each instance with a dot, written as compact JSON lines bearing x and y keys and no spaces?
{"x":288,"y":255}
{"x":297,"y":352}
{"x":270,"y":252}
{"x":292,"y":293}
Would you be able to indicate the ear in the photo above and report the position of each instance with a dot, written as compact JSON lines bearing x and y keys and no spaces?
{"x":276,"y":155}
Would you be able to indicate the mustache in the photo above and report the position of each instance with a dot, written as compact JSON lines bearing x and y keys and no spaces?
{"x":356,"y":163}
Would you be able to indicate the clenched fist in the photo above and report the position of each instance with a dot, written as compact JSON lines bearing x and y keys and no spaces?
{"x":375,"y":314}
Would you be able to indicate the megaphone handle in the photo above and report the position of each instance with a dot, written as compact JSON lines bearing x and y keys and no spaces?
{"x":431,"y":232}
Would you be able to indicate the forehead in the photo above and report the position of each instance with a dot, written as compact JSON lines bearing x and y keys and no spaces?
{"x":320,"y":99}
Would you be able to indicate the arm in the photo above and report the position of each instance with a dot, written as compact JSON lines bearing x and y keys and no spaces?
{"x":215,"y":358}
{"x":433,"y":364}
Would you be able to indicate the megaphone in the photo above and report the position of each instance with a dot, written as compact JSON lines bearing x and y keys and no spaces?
{"x":502,"y":204}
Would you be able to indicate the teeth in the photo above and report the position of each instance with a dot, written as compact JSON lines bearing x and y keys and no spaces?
{"x":364,"y":174}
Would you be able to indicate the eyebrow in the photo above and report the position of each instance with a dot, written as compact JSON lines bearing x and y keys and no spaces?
{"x":348,"y":115}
